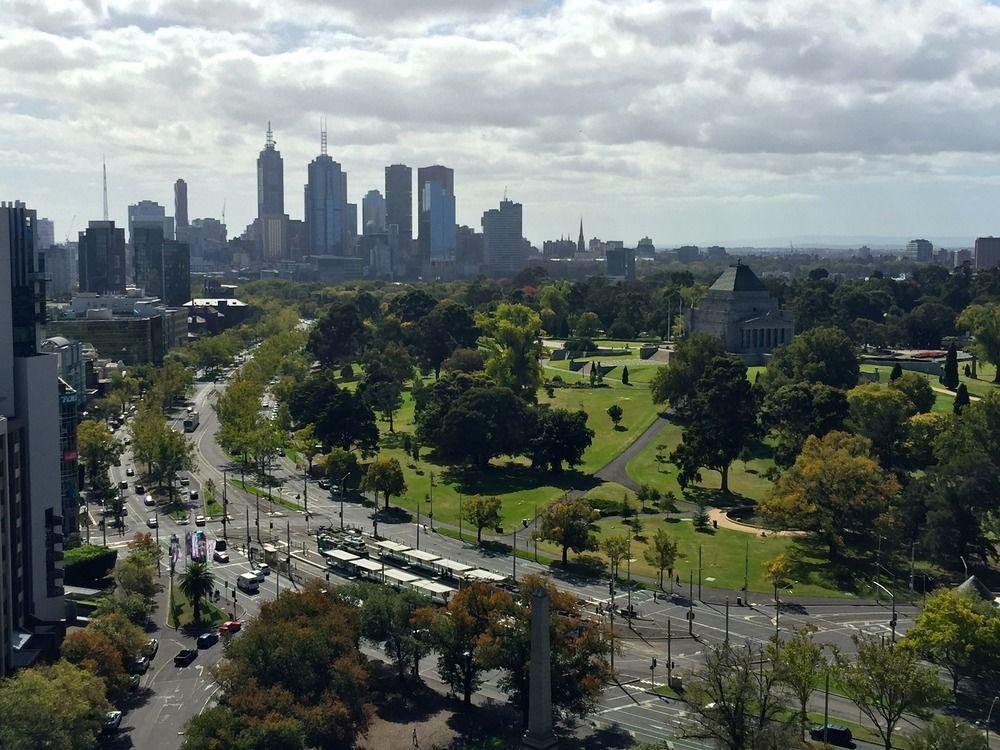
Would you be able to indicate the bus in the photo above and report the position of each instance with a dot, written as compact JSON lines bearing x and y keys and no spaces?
{"x":248,"y":583}
{"x":191,"y":422}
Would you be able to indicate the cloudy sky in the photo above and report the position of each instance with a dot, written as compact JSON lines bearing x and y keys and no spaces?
{"x":685,"y":120}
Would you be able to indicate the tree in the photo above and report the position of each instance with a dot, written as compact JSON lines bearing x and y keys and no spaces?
{"x":482,"y":423}
{"x":615,"y":412}
{"x":886,"y":681}
{"x":484,"y":513}
{"x":721,"y":419}
{"x":794,"y":412}
{"x":946,"y":733}
{"x":512,"y":344}
{"x":676,"y":383}
{"x":588,"y":325}
{"x":461,"y":632}
{"x":127,"y":637}
{"x":578,"y":646}
{"x":174,"y":453}
{"x":833,"y":489}
{"x":59,"y":707}
{"x":386,"y":371}
{"x":961,"y":398}
{"x":616,"y":549}
{"x":625,"y":375}
{"x":98,"y":449}
{"x":916,"y":388}
{"x":558,"y":436}
{"x":135,"y":575}
{"x":662,"y":554}
{"x":197,"y":582}
{"x":388,"y":618}
{"x":983,"y":322}
{"x":464,"y":360}
{"x":384,"y":475}
{"x":340,"y":418}
{"x":305,"y":443}
{"x":949,"y":379}
{"x":293,"y":679}
{"x":922,"y":433}
{"x":958,"y":633}
{"x":343,"y":468}
{"x":797,"y":662}
{"x":411,"y":306}
{"x":122,"y":390}
{"x":896,"y":372}
{"x":881,"y":415}
{"x":570,"y":524}
{"x":92,"y":650}
{"x":736,"y":700}
{"x":820,"y":355}
{"x":447,"y":328}
{"x":339,"y":334}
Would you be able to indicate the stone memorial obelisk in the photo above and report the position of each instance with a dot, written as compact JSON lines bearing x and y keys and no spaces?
{"x":539,"y":735}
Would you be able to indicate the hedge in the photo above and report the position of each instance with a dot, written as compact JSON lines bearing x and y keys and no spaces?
{"x":89,"y":564}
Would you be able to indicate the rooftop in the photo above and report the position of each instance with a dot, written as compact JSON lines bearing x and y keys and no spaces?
{"x":738,"y":278}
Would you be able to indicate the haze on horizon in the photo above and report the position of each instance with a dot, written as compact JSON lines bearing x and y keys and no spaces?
{"x":687,"y":121}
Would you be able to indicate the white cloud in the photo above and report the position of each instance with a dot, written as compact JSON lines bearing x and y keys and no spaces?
{"x":661,"y":118}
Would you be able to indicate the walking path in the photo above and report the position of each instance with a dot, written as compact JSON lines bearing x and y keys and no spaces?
{"x":617,"y":469}
{"x":723,"y":521}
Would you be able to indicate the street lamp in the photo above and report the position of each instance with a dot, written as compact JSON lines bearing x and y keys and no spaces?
{"x":989,"y":716}
{"x":892,"y":622}
{"x":343,"y":479}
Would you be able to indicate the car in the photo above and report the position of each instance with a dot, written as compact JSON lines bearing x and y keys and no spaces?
{"x":123,"y":485}
{"x":185,"y":481}
{"x":193,"y":494}
{"x":199,"y":520}
{"x":207,"y":640}
{"x":184,"y":657}
{"x":259,"y":573}
{"x":139,"y":489}
{"x":281,"y":452}
{"x":133,"y":683}
{"x":836,"y":734}
{"x":152,"y":646}
{"x":112,"y":721}
{"x":148,"y":501}
{"x":221,"y":545}
{"x":264,"y":569}
{"x":130,"y":472}
{"x":139,"y":665}
{"x":152,"y":522}
{"x":231,"y":626}
{"x":324,"y":484}
{"x":184,"y":520}
{"x":220,"y":556}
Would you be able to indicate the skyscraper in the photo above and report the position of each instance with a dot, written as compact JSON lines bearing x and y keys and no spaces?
{"x":101,"y":258}
{"x":987,"y":253}
{"x":45,"y":233}
{"x":921,"y":251}
{"x":504,"y":248}
{"x":399,"y":201}
{"x":181,"y":203}
{"x":150,"y":212}
{"x":581,"y":248}
{"x":270,"y":179}
{"x":436,"y":211}
{"x":373,"y":212}
{"x":162,"y":267}
{"x":328,"y":222}
{"x":31,"y":575}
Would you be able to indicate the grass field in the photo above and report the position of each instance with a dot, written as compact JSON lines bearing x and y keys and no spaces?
{"x":182,"y":612}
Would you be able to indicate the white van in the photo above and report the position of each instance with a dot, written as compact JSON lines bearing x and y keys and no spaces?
{"x":248,"y":583}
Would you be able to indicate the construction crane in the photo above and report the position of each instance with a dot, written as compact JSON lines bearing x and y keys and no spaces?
{"x":223,"y":212}
{"x":69,"y":231}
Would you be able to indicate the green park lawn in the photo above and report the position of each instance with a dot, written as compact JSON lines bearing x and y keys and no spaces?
{"x":652,"y":466}
{"x":182,"y":613}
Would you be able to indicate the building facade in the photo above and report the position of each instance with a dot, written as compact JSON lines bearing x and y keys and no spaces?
{"x":32,"y":607}
{"x":620,"y":262}
{"x":504,"y":247}
{"x":373,"y":213}
{"x":326,"y":208}
{"x":399,"y":200}
{"x":987,"y":253}
{"x":740,"y":311}
{"x":436,"y":212}
{"x":61,"y":264}
{"x":147,"y":213}
{"x":101,"y":261}
{"x":181,"y":203}
{"x":921,"y":251}
{"x":270,"y":179}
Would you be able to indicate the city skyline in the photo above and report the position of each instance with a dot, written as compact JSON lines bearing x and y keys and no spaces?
{"x":687,"y":122}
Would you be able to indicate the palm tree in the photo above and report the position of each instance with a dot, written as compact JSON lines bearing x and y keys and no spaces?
{"x":197,"y":581}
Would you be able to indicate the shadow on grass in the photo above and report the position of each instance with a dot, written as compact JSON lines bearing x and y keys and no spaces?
{"x":512,"y":477}
{"x":811,"y":563}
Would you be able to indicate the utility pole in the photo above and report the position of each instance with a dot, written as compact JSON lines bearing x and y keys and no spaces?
{"x":418,"y":524}
{"x":257,"y":521}
{"x":826,"y":706}
{"x":248,"y":531}
{"x":670,"y":660}
{"x":690,"y":603}
{"x":225,"y":506}
{"x":699,"y":574}
{"x":460,"y":539}
{"x":727,"y":620}
{"x":746,"y":573}
{"x":432,"y":500}
{"x":628,"y":576}
{"x":156,"y":515}
{"x":515,"y":554}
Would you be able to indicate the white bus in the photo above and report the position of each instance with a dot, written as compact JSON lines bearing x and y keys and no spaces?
{"x":248,"y":583}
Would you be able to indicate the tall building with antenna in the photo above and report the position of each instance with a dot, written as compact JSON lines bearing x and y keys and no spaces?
{"x":181,"y":203}
{"x":270,"y":179}
{"x":328,"y":223}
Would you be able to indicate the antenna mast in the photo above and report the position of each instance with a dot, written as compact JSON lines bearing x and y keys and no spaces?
{"x":322,"y":135}
{"x":269,"y":143}
{"x":223,"y":212}
{"x":104,"y":169}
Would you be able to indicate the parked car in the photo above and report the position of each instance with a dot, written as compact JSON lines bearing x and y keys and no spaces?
{"x":193,"y":494}
{"x":207,"y":640}
{"x":130,"y":472}
{"x":199,"y":520}
{"x":836,"y":734}
{"x":152,"y":646}
{"x":123,"y":485}
{"x":185,"y":481}
{"x":231,"y":626}
{"x":324,"y":484}
{"x":184,"y":521}
{"x":184,"y":657}
{"x":148,"y":501}
{"x":133,"y":683}
{"x":139,"y":489}
{"x":263,"y":569}
{"x":220,"y":556}
{"x":112,"y":721}
{"x":139,"y":665}
{"x":152,"y":522}
{"x":220,"y":544}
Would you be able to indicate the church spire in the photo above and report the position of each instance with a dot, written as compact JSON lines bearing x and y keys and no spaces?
{"x":580,"y":248}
